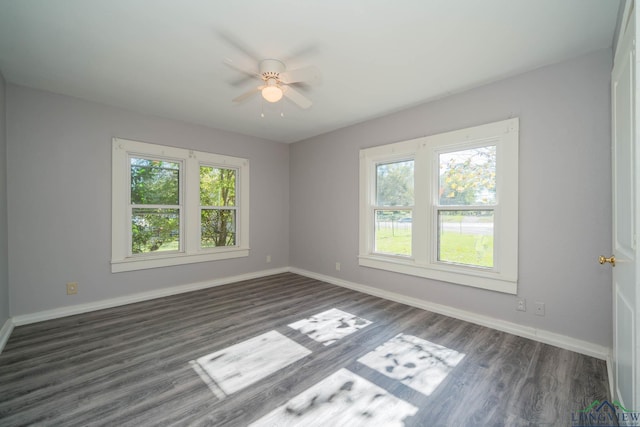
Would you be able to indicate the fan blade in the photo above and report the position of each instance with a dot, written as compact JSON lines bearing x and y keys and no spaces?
{"x":249,"y":72}
{"x":307,"y":74}
{"x":296,"y":97}
{"x":233,"y":41}
{"x":247,"y":94}
{"x":300,"y":52}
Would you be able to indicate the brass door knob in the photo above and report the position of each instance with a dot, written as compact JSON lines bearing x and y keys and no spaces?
{"x":611,"y":259}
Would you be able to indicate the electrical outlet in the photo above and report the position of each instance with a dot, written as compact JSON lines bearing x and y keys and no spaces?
{"x":337,"y":266}
{"x":521,"y":305}
{"x":539,"y":308}
{"x":268,"y":259}
{"x":72,"y":288}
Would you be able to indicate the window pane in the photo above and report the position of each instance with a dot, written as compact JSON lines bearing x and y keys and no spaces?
{"x":217,"y":186}
{"x":468,"y":177}
{"x":218,"y":227}
{"x":466,"y":237}
{"x":155,"y":230}
{"x":154,"y":182}
{"x":394,"y":184}
{"x":393,"y":232}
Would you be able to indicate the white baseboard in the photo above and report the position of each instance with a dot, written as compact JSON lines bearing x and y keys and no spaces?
{"x":547,"y":337}
{"x":5,"y":333}
{"x":25,"y":319}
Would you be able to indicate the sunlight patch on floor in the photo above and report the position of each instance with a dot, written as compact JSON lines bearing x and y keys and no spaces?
{"x":343,"y":398}
{"x":416,"y":363}
{"x":240,"y":365}
{"x":330,"y":326}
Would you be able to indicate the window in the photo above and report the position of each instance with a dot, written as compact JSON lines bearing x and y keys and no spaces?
{"x":394,"y":207}
{"x":155,"y":206}
{"x":444,"y":206}
{"x":217,"y":207}
{"x":465,"y":206}
{"x":174,"y":206}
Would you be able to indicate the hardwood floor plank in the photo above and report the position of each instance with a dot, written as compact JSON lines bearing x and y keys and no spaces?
{"x":133,"y":365}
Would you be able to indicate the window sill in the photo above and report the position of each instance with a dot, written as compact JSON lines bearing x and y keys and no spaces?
{"x":462,"y":276}
{"x":135,"y":263}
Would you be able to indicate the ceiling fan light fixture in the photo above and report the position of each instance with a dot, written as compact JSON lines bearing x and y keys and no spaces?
{"x":272,"y":92}
{"x":276,"y":83}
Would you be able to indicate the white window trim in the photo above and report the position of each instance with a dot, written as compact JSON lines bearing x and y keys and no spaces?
{"x":121,"y":258}
{"x":422,"y":262}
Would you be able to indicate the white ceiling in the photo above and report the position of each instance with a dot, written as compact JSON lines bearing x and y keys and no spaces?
{"x":165,"y":57}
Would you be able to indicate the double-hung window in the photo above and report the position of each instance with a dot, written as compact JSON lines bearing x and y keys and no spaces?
{"x":444,"y":206}
{"x":175,"y":206}
{"x":155,"y":205}
{"x":217,"y":206}
{"x":464,"y":209}
{"x":393,"y":209}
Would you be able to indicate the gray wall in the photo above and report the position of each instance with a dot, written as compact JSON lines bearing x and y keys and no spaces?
{"x":564,"y":202}
{"x":59,"y":199}
{"x":4,"y":274}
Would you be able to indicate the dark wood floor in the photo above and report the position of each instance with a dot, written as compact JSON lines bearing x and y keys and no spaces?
{"x":130,"y":365}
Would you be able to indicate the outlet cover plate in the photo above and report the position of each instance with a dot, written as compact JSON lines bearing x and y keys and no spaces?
{"x":72,"y":288}
{"x":539,"y":308}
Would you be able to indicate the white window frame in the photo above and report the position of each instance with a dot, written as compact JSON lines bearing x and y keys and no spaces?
{"x":190,"y":250}
{"x":503,"y":277}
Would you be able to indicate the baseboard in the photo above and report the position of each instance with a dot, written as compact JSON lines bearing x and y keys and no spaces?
{"x":25,"y":319}
{"x":547,"y":337}
{"x":5,"y":333}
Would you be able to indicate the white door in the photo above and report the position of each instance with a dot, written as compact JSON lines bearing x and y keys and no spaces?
{"x":625,"y":154}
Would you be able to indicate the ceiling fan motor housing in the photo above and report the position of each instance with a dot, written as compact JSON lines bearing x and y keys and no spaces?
{"x":271,"y":69}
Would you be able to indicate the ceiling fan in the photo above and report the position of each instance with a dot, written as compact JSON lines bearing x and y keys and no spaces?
{"x":278,"y":82}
